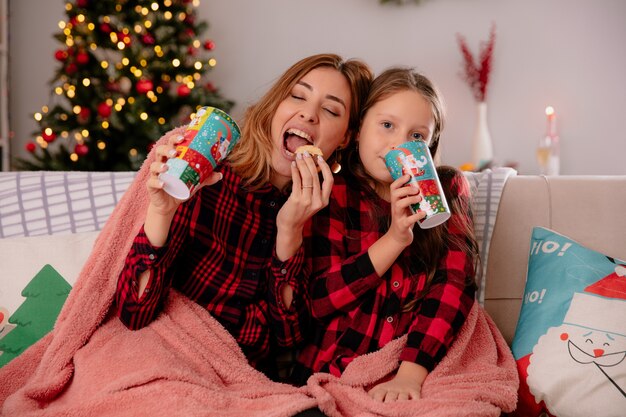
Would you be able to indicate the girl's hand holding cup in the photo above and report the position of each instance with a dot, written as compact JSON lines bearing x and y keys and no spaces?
{"x":414,"y":161}
{"x":403,"y":218}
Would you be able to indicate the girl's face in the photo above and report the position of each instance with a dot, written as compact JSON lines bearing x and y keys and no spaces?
{"x":401,"y":117}
{"x":316,"y":112}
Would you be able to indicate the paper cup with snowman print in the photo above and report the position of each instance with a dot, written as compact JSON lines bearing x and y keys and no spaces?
{"x":208,"y":138}
{"x":414,"y":158}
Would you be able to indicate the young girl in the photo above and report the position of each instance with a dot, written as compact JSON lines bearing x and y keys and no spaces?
{"x":376,"y":275}
{"x":224,"y":246}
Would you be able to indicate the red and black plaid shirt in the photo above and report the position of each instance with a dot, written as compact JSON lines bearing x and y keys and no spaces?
{"x":221,"y":253}
{"x":357,"y":310}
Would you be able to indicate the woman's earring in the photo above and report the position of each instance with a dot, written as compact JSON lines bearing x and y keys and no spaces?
{"x":335,"y":167}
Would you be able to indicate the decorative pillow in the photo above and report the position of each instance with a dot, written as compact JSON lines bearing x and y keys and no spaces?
{"x":486,"y":187}
{"x":37,"y":273}
{"x":53,"y":202}
{"x":570,"y":341}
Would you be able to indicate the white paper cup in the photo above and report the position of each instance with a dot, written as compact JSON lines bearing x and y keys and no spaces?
{"x":414,"y":158}
{"x":209,"y":137}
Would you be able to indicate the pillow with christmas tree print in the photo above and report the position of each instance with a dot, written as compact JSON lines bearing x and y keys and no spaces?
{"x":44,"y":296}
{"x":37,"y":274}
{"x":570,"y":340}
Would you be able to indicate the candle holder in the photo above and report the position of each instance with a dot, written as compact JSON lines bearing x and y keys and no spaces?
{"x":548,"y":147}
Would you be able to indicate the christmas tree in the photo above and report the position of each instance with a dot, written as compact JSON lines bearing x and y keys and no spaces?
{"x":45,"y":295}
{"x":129,"y":71}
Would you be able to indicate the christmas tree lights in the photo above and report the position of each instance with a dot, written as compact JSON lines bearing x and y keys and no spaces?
{"x":128,"y":71}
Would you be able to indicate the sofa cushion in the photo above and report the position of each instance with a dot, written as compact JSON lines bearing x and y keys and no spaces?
{"x":37,"y":275}
{"x":45,"y":202}
{"x":570,"y":340}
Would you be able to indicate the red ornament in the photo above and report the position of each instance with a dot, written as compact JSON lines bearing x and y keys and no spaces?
{"x":48,"y":137}
{"x":209,"y":45}
{"x":31,"y":147}
{"x":82,"y":58}
{"x":124,"y":37}
{"x":74,"y":21}
{"x":82,"y":3}
{"x":183,"y":90}
{"x":84,"y":114}
{"x":112,"y":86}
{"x":147,"y":39}
{"x":191,"y":51}
{"x":81,"y":149}
{"x":71,"y":68}
{"x":60,"y":55}
{"x":211,"y":87}
{"x":105,"y":28}
{"x":104,"y":110}
{"x":143,"y":86}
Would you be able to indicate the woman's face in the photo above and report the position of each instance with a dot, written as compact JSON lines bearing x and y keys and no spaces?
{"x":316,"y":112}
{"x":399,"y":118}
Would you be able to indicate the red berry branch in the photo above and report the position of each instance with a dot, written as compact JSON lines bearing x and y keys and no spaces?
{"x":477,"y":74}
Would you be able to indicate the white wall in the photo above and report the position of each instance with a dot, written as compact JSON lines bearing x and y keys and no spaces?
{"x":566,"y":53}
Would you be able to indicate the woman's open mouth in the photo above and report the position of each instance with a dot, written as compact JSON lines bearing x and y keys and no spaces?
{"x":293,"y":138}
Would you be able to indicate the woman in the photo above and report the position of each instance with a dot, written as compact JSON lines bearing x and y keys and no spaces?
{"x":226,"y":247}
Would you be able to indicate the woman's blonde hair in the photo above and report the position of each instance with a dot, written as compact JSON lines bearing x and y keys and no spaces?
{"x":251,"y":157}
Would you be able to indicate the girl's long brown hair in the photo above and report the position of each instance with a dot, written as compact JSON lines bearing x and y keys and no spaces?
{"x":251,"y":157}
{"x":429,"y":245}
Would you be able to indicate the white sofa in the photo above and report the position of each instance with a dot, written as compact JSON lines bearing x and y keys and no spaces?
{"x":63,"y":212}
{"x":53,"y":218}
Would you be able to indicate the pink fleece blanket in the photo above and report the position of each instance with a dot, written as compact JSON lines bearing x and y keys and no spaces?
{"x":186,"y":363}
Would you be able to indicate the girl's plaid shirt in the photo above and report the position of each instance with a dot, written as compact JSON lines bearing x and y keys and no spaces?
{"x":358,"y":311}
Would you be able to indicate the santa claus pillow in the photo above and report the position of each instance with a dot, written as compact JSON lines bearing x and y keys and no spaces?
{"x":570,"y":341}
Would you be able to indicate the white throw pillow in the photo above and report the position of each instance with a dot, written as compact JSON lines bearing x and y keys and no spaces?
{"x":56,"y":261}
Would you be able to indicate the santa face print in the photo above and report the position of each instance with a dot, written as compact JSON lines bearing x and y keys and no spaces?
{"x":602,"y":349}
{"x":579,"y":372}
{"x":571,"y":350}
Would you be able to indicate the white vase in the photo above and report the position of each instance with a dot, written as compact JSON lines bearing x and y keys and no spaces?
{"x":482,"y":149}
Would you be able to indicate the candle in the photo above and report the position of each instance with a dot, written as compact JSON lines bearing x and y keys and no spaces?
{"x":551,"y":127}
{"x":548,"y":148}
